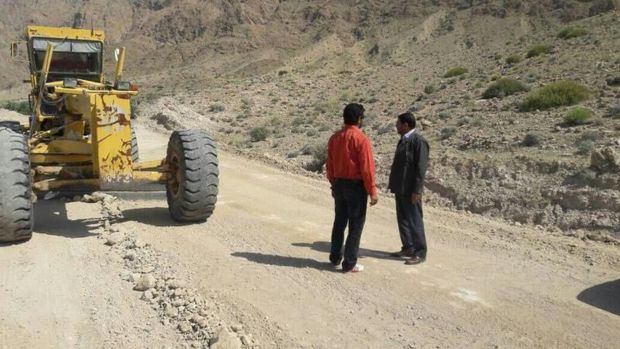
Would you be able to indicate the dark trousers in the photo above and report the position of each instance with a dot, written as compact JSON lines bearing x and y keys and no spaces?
{"x":351,"y":200}
{"x":410,"y":225}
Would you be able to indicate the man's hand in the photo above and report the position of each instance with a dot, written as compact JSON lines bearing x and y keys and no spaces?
{"x":416,"y":197}
{"x":373,"y":200}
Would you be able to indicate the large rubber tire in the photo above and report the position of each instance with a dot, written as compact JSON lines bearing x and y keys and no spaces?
{"x":11,"y":125}
{"x":192,"y":185}
{"x":16,"y":213}
{"x":135,"y":153}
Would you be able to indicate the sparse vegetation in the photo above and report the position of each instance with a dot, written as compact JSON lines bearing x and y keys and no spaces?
{"x":299,"y":120}
{"x":258,"y":134}
{"x":513,"y":59}
{"x":572,"y":32}
{"x":577,"y":116}
{"x":587,"y":142}
{"x":615,"y":81}
{"x":539,"y":50}
{"x":428,"y":89}
{"x":216,"y":108}
{"x":590,"y":136}
{"x":455,"y":72}
{"x":443,"y":115}
{"x":531,"y":139}
{"x":602,"y":6}
{"x":330,"y":107}
{"x":585,"y":146}
{"x":614,"y":112}
{"x":22,"y":107}
{"x":447,"y":132}
{"x":319,"y":157}
{"x":504,"y":87}
{"x":246,"y":105}
{"x":554,"y":95}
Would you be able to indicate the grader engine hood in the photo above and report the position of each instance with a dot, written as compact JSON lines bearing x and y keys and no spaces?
{"x":111,"y":139}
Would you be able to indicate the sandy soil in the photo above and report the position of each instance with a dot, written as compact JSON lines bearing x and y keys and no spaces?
{"x":262,"y":258}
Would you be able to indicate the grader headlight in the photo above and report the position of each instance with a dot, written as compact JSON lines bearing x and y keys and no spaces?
{"x":69,"y":83}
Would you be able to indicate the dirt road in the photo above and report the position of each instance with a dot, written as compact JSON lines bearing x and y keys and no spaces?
{"x":262,"y":258}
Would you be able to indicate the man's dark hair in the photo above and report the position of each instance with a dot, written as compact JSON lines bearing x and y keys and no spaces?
{"x":407,"y":118}
{"x":352,"y":113}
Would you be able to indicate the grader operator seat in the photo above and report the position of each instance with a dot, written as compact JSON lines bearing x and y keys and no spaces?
{"x":80,"y":137}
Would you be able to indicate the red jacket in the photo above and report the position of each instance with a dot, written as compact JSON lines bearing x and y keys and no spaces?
{"x":349,"y":156}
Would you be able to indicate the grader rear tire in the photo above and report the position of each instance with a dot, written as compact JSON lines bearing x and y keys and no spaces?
{"x":16,"y":213}
{"x":192,"y":186}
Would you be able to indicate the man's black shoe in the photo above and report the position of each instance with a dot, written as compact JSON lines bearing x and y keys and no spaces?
{"x":415,"y":260}
{"x":402,"y":254}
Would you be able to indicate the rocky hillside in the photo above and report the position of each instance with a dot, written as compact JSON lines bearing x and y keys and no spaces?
{"x":270,"y":78}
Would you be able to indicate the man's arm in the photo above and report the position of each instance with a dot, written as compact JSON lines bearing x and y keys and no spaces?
{"x":420,"y":150}
{"x":367,"y":164}
{"x":329,"y":165}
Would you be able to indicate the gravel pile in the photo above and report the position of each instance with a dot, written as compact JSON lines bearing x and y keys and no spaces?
{"x":149,"y":273}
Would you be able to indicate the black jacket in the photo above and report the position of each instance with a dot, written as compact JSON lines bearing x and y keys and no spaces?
{"x":409,"y":166}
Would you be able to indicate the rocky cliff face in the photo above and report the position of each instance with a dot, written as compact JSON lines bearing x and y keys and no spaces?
{"x":288,"y":67}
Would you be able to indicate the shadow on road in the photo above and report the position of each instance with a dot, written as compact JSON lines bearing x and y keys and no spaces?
{"x":605,"y":296}
{"x":325,"y":246}
{"x":155,"y":216}
{"x":51,"y":218}
{"x":284,"y":261}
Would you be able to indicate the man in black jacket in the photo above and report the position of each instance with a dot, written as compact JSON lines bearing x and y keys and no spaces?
{"x":407,"y":184}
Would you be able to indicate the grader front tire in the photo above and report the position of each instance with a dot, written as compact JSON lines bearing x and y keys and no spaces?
{"x":192,"y":185}
{"x":16,"y":213}
{"x":135,"y":152}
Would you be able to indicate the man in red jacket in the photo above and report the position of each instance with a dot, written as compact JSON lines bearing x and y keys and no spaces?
{"x":351,"y":172}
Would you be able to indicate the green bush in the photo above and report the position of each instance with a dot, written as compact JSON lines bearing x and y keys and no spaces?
{"x":455,"y":72}
{"x":614,"y":112}
{"x":216,"y":108}
{"x":554,"y":95}
{"x":299,"y":120}
{"x":571,"y":32}
{"x":539,"y":50}
{"x":590,"y":136}
{"x":319,"y":154}
{"x":531,"y":139}
{"x":504,"y":87}
{"x":577,"y":116}
{"x":443,"y":115}
{"x":329,"y":107}
{"x":22,"y":107}
{"x":428,"y":89}
{"x":258,"y":134}
{"x":447,"y":132}
{"x":585,"y":146}
{"x":513,"y":59}
{"x":615,"y":81}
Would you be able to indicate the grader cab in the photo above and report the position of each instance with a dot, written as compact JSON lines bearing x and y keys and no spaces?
{"x":79,"y":137}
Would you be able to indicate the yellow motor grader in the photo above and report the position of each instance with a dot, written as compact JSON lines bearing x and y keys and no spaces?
{"x":80,"y":137}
